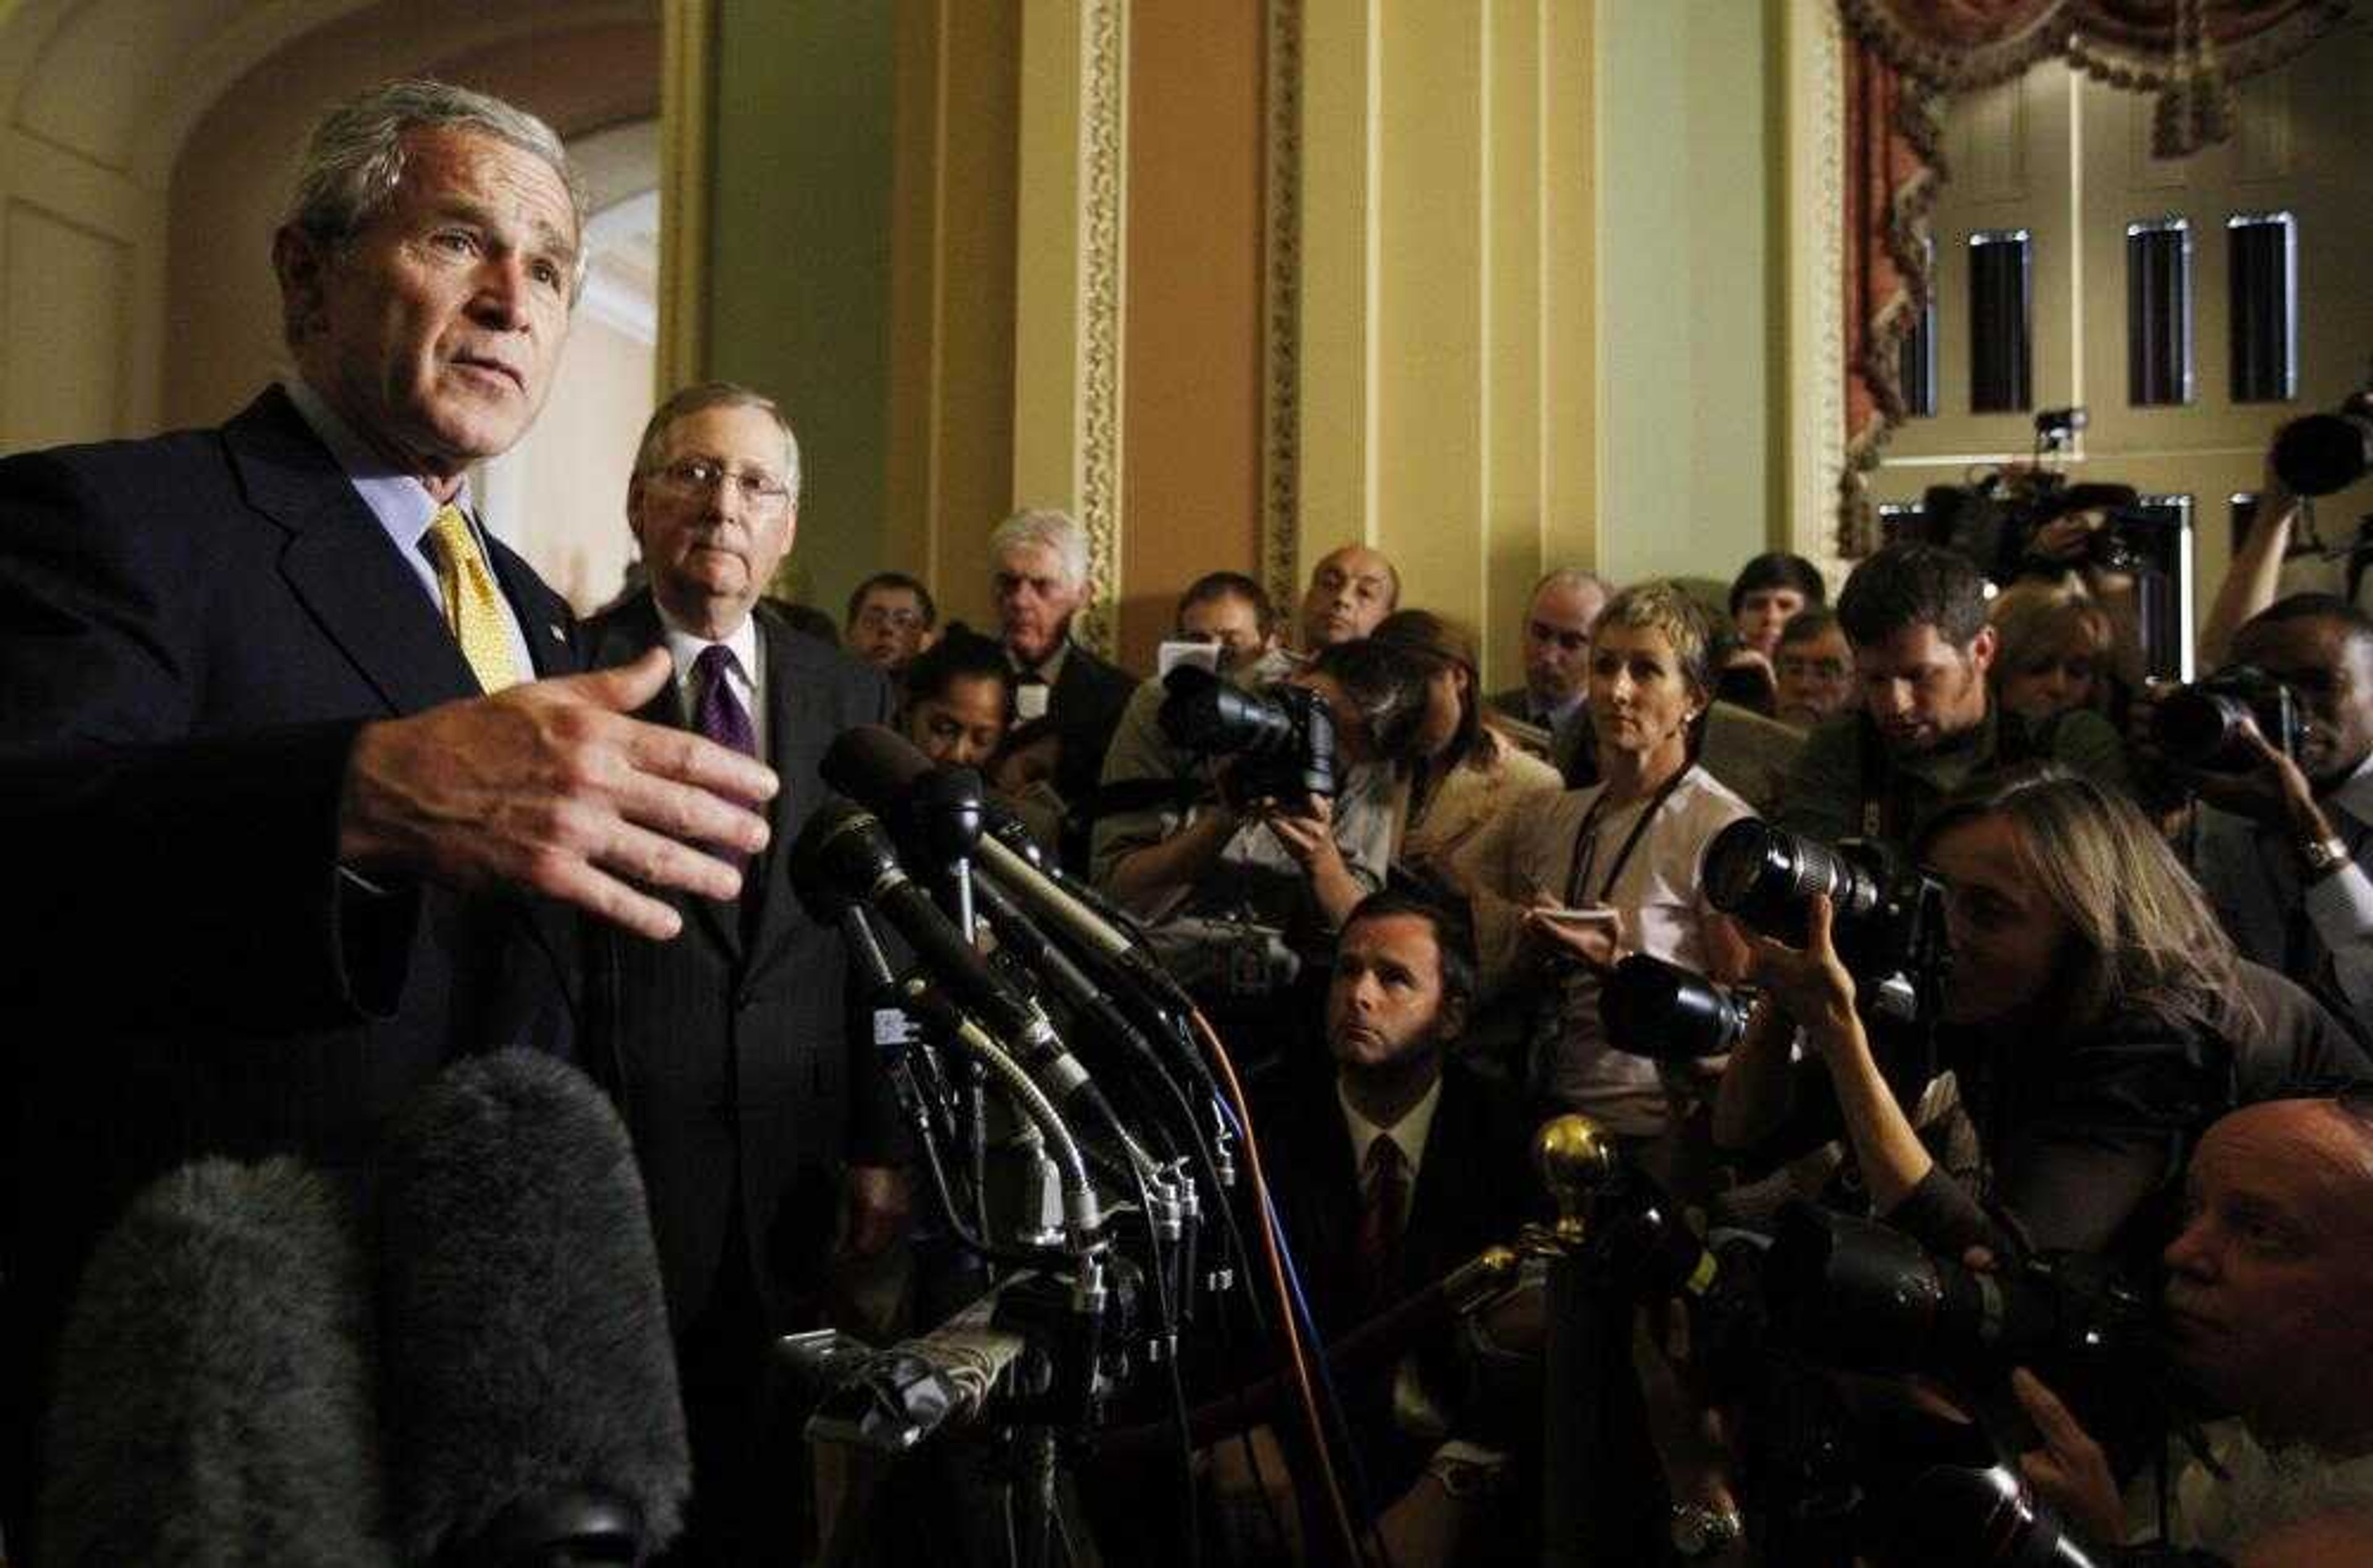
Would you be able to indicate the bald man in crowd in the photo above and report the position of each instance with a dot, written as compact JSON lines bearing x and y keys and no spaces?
{"x":1350,"y":589}
{"x":1557,"y":660}
{"x":2267,"y":1317}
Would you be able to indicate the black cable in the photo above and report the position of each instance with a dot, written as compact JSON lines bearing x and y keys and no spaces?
{"x":971,"y":1242}
{"x":1164,"y":1315}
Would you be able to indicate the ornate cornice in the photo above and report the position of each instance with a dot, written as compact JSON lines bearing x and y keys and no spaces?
{"x":1282,"y":304}
{"x":1103,"y":116}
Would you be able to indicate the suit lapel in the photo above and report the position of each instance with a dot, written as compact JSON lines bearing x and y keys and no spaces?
{"x":794,"y":729}
{"x":545,"y":621}
{"x":340,"y":563}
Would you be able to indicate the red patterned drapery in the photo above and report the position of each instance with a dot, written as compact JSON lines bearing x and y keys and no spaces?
{"x":1904,"y":59}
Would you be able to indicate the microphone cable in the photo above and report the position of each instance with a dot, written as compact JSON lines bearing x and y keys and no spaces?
{"x":1274,"y":1241}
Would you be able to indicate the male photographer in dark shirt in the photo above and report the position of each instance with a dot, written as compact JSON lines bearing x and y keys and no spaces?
{"x":1916,"y":617}
{"x":2283,"y":848}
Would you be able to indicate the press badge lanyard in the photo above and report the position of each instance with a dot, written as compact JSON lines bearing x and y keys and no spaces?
{"x":1585,"y":846}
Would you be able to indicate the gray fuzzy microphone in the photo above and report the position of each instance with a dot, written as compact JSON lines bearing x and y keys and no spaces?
{"x":213,"y":1393}
{"x":530,"y":1389}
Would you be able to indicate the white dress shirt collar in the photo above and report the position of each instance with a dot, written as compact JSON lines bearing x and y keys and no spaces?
{"x":685,"y":649}
{"x":1409,"y":1135}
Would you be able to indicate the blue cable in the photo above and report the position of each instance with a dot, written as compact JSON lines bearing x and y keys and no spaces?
{"x":1300,"y":1305}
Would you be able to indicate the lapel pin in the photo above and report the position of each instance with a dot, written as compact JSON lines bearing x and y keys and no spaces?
{"x":558,"y":634}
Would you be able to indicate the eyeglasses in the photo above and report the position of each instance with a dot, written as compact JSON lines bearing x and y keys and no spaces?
{"x":692,"y":477}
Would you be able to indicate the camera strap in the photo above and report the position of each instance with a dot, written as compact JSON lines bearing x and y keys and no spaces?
{"x":1585,"y":842}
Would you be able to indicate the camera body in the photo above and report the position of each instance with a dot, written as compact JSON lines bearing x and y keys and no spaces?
{"x":2199,"y":726}
{"x":1863,"y":1296}
{"x":1888,"y":919}
{"x":1284,"y":735}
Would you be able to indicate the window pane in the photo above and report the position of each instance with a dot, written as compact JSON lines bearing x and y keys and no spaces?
{"x":1999,"y":343}
{"x":1916,"y":357}
{"x":2160,"y":527}
{"x":2263,"y":270}
{"x":2159,"y":312}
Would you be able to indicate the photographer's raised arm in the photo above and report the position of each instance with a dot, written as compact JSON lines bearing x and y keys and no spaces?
{"x":1309,"y":838}
{"x":1144,"y":881}
{"x":1812,"y":987}
{"x":2255,"y":571}
{"x":1758,"y":1094}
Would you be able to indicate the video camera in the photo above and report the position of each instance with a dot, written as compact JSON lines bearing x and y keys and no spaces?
{"x":1283,"y":736}
{"x":1888,"y":919}
{"x":2321,"y":453}
{"x":2199,"y":726}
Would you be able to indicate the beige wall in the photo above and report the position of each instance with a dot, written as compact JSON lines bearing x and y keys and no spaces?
{"x":951,"y":293}
{"x":2070,"y":159}
{"x":1469,"y":373}
{"x":559,"y":497}
{"x":798,"y":258}
{"x":1191,"y":421}
{"x":1450,"y":400}
{"x":1690,"y":312}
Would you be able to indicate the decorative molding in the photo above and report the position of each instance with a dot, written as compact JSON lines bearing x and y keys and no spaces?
{"x":1828,"y":228}
{"x":1104,"y":162}
{"x":1281,"y":305}
{"x":687,"y":116}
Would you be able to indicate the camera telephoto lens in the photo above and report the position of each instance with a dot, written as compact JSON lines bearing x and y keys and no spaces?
{"x":1658,"y":1009}
{"x":1766,"y":876}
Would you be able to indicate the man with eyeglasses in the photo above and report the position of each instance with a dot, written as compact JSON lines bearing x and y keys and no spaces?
{"x":891,"y":618}
{"x":1814,"y":669}
{"x":757,"y":1118}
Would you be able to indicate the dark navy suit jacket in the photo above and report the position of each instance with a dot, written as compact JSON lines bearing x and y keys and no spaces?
{"x":192,"y":629}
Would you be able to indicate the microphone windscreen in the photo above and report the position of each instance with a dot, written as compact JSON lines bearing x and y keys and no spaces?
{"x":213,"y":1394}
{"x":875,"y":766}
{"x":526,"y":1338}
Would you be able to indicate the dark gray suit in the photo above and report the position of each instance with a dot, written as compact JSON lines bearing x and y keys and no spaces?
{"x":728,"y":1048}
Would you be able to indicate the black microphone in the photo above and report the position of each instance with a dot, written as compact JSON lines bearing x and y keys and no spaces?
{"x":881,"y":769}
{"x":531,"y":1390}
{"x":844,"y":853}
{"x":214,"y":1397}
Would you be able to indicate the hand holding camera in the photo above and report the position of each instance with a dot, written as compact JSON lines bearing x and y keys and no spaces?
{"x":1811,"y":984}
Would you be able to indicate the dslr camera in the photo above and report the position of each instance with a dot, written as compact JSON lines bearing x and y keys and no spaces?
{"x":1888,"y":921}
{"x":1283,"y":736}
{"x":2199,"y":726}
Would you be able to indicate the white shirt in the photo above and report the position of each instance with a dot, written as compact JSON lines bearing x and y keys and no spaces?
{"x":748,"y":671}
{"x":1662,"y":896}
{"x":1408,"y":1135}
{"x":1031,"y":700}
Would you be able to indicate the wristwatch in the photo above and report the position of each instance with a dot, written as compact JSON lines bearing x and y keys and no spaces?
{"x":1699,"y":1532}
{"x":2322,"y":857}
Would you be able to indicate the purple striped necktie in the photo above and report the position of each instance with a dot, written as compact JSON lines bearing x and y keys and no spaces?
{"x":718,"y":712}
{"x":718,"y":715}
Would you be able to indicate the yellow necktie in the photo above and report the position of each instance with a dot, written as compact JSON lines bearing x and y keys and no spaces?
{"x":473,"y":606}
